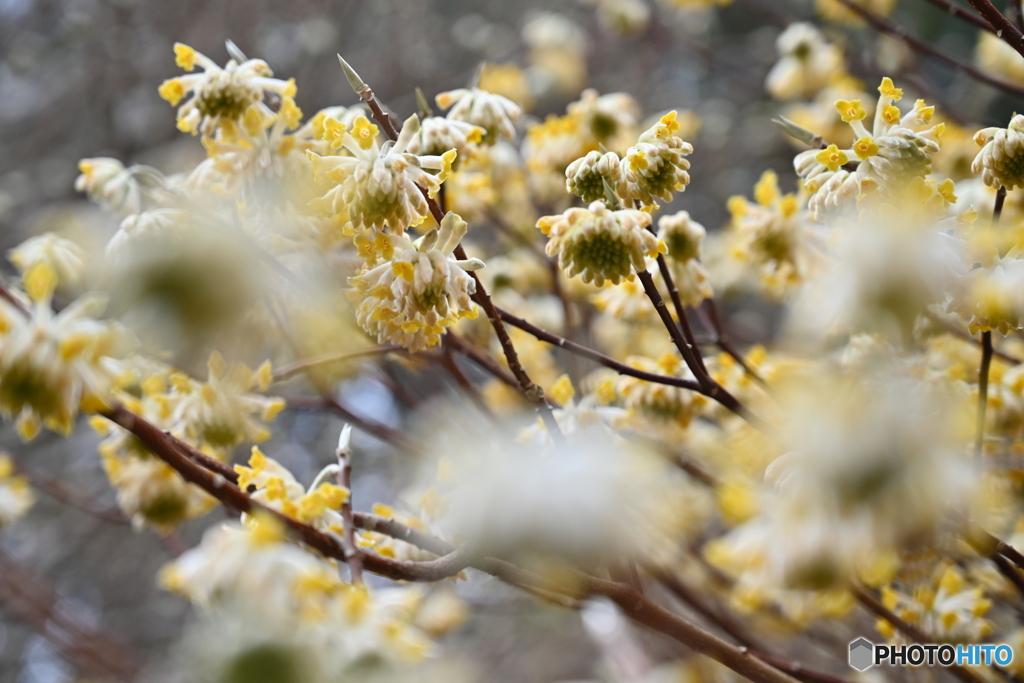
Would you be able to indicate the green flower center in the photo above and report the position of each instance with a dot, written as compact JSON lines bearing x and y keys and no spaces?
{"x":265,"y":664}
{"x":601,"y":254}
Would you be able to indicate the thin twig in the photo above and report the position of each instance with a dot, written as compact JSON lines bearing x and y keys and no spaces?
{"x":883,"y":25}
{"x":709,"y":386}
{"x":986,"y":362}
{"x":344,"y":454}
{"x":58,"y":490}
{"x":378,"y":429}
{"x":963,"y":14}
{"x":292,"y":369}
{"x":721,"y":340}
{"x":40,"y":606}
{"x":677,"y":303}
{"x":482,"y":359}
{"x":986,"y":348}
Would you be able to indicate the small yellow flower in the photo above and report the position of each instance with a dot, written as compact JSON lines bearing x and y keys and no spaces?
{"x":889,"y":90}
{"x":185,"y":57}
{"x":766,"y":192}
{"x":832,"y":157}
{"x":671,"y":125}
{"x":946,"y":188}
{"x":891,"y":114}
{"x":563,"y":391}
{"x":865,"y":147}
{"x":172,"y":90}
{"x":851,"y":110}
{"x":290,"y":112}
{"x":364,"y":132}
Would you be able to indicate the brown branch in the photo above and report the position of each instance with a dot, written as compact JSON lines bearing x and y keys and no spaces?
{"x":988,"y":545}
{"x":677,"y":303}
{"x":451,"y":364}
{"x":739,"y":633}
{"x":883,"y":25}
{"x":1002,"y":26}
{"x":40,"y":606}
{"x":8,"y":295}
{"x":959,"y":12}
{"x":709,"y":387}
{"x":986,"y":362}
{"x":587,"y":352}
{"x":573,"y":584}
{"x":482,"y":359}
{"x":578,"y":584}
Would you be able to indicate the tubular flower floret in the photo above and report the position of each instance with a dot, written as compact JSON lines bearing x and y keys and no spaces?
{"x":495,"y":114}
{"x":600,"y":244}
{"x":219,"y":94}
{"x":655,"y":166}
{"x":1001,"y":159}
{"x":896,"y":150}
{"x":378,"y":187}
{"x":586,"y":177}
{"x":684,"y":239}
{"x":412,"y":297}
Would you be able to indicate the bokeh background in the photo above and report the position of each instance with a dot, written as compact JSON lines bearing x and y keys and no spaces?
{"x":78,"y":78}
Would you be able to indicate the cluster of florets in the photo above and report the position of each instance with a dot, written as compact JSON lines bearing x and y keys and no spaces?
{"x":52,"y":365}
{"x":886,"y":158}
{"x":494,"y":114}
{"x":420,"y":289}
{"x":769,"y":233}
{"x":219,"y":94}
{"x":684,"y":239}
{"x":599,"y":244}
{"x":807,"y":63}
{"x":656,"y":167}
{"x":1001,"y":159}
{"x":378,"y":187}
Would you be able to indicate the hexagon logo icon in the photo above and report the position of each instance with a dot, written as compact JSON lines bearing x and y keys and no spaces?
{"x":862,"y":654}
